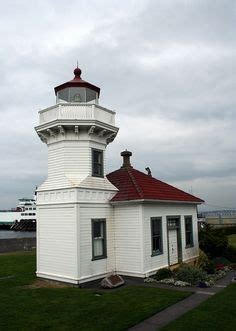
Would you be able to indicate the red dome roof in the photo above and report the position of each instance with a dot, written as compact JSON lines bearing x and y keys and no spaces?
{"x":77,"y":82}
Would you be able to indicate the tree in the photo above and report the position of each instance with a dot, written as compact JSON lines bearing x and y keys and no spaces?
{"x":212,"y":241}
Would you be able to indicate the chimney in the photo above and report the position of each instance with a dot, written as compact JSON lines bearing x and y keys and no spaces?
{"x":126,"y":159}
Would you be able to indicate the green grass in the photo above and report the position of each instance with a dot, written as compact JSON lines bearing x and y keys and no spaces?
{"x":71,"y":308}
{"x":217,"y":313}
{"x":232,"y":240}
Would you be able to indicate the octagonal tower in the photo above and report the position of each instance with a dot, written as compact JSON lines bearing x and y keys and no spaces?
{"x":77,"y":131}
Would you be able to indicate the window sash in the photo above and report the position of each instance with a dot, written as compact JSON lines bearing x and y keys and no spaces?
{"x":98,"y":239}
{"x":188,"y":231}
{"x":97,"y":163}
{"x":156,"y":235}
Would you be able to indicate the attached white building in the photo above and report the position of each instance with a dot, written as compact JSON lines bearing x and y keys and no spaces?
{"x":91,"y":225}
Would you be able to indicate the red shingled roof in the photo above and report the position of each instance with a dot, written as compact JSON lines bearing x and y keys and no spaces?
{"x":135,"y":185}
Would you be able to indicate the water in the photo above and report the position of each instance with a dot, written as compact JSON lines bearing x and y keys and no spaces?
{"x":7,"y":234}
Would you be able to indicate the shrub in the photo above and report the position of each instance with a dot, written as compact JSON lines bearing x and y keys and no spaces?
{"x":191,"y":274}
{"x":202,"y":259}
{"x":212,"y":241}
{"x":220,"y":260}
{"x":209,"y":268}
{"x":229,"y":230}
{"x":230,"y":254}
{"x":204,"y":263}
{"x":163,"y":273}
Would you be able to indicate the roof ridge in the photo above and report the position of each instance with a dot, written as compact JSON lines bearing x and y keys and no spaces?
{"x":135,"y":183}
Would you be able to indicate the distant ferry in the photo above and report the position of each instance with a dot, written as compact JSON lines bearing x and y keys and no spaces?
{"x":25,"y":210}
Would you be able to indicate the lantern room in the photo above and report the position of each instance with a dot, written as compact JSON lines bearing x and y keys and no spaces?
{"x":77,"y":90}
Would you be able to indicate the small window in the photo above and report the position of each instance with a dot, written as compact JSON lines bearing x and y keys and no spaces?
{"x":99,"y":239}
{"x":189,"y":231}
{"x":97,"y":163}
{"x":156,"y":235}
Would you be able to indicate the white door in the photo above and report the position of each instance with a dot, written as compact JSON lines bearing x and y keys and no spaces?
{"x":173,"y":246}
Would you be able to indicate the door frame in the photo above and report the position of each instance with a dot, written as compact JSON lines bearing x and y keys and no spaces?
{"x":177,"y":227}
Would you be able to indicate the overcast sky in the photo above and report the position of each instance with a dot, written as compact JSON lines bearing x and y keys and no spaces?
{"x":166,"y":67}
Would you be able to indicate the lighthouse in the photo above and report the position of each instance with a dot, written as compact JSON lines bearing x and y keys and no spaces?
{"x":76,"y":192}
{"x":91,"y":225}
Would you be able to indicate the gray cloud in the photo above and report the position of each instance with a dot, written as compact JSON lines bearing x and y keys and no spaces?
{"x":166,"y":67}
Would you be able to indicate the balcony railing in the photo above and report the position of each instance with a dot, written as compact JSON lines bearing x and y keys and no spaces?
{"x":78,"y":111}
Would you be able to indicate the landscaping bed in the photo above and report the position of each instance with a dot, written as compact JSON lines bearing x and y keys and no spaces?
{"x":31,"y":307}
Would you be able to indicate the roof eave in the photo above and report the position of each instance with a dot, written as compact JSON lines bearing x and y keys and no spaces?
{"x":157,"y":201}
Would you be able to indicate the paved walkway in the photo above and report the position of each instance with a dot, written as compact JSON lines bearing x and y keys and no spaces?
{"x":164,"y":317}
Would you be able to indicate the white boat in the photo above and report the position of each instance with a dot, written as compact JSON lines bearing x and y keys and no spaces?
{"x":25,"y":210}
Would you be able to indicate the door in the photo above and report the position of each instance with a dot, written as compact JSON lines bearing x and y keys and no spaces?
{"x":173,"y":246}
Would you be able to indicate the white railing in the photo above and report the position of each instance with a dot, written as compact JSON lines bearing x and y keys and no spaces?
{"x":77,"y":111}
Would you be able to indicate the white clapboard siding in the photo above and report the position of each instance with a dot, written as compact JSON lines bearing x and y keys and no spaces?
{"x":88,"y":268}
{"x":56,"y":241}
{"x":190,"y":252}
{"x":152,"y":263}
{"x":158,"y":261}
{"x":128,"y":239}
{"x":70,"y":164}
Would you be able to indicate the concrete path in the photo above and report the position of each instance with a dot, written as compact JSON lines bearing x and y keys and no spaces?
{"x":164,"y":317}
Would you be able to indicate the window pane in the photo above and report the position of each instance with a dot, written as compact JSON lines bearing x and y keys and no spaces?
{"x":64,"y":94}
{"x":90,"y":95}
{"x":97,"y":163}
{"x":98,"y":247}
{"x":156,"y":226}
{"x":188,"y":231}
{"x":77,"y":94}
{"x":99,"y":238}
{"x":97,"y":229}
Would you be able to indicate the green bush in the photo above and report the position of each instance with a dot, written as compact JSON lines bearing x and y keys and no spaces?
{"x":230,"y":254}
{"x":228,"y":231}
{"x":204,"y":263}
{"x":202,"y":260}
{"x":190,"y":274}
{"x":212,"y":241}
{"x":210,"y":268}
{"x":163,"y":273}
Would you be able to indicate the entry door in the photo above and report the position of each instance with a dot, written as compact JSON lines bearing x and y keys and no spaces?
{"x":173,"y":246}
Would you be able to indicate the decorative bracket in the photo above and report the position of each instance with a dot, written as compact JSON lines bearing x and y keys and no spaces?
{"x":43,"y":137}
{"x":76,"y":129}
{"x":111,"y":137}
{"x":102,"y":133}
{"x":51,"y":132}
{"x":61,"y":129}
{"x":91,"y":130}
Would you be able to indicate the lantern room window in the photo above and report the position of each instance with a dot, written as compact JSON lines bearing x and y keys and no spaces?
{"x":77,"y":94}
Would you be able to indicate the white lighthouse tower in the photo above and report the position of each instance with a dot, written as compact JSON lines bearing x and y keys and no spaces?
{"x":76,"y":194}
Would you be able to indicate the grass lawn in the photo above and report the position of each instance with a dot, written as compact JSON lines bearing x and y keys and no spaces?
{"x":23,"y":308}
{"x":232,"y":240}
{"x":217,"y":313}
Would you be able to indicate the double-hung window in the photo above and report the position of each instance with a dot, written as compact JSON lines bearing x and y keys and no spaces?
{"x":156,"y":235}
{"x":188,"y":231}
{"x":97,"y":163}
{"x":99,"y":239}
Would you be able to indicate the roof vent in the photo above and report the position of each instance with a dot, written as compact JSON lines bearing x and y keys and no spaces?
{"x":126,"y":158}
{"x":148,"y":171}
